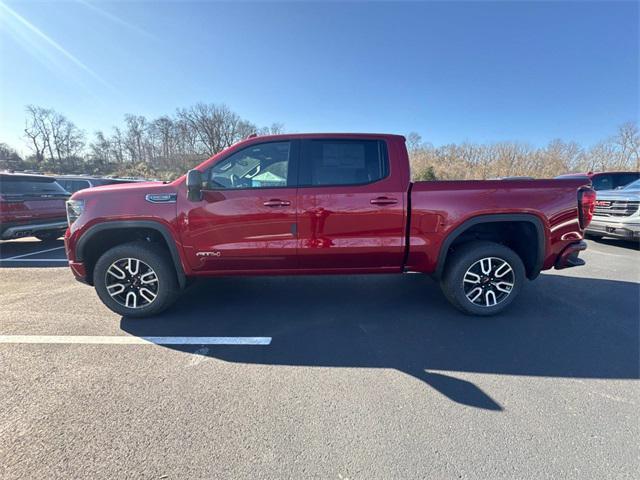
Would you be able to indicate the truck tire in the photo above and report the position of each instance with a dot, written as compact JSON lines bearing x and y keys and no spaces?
{"x":136,"y":279}
{"x":482,"y":278}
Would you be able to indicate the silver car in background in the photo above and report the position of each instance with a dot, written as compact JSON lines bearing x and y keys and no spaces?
{"x":617,"y":213}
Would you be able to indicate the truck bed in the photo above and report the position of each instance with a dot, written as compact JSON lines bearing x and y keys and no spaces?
{"x":439,"y":208}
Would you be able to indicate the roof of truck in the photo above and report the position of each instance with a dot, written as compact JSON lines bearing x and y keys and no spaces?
{"x":324,"y":135}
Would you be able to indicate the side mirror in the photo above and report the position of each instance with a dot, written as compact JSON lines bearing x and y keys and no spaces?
{"x":194,"y":185}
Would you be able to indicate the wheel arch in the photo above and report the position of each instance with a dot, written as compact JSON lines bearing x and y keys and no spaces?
{"x":95,"y":237}
{"x":533,"y":265}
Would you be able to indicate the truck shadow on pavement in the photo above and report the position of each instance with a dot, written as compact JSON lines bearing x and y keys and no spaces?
{"x":560,"y":327}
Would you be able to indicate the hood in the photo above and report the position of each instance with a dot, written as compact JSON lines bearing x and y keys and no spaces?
{"x":629,"y":195}
{"x":124,"y":188}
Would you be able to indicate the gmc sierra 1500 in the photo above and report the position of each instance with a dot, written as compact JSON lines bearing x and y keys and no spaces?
{"x":323,"y":204}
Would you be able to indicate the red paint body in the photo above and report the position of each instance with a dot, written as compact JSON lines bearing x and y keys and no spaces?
{"x":391,"y":225}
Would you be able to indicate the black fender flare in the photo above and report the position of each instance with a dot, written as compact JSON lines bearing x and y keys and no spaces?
{"x":94,"y":230}
{"x":491,"y":218}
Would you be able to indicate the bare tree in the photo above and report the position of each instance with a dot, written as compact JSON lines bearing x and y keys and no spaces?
{"x":628,"y":142}
{"x":34,"y":132}
{"x":274,"y":129}
{"x":9,"y":158}
{"x":216,"y":127}
{"x":52,"y":136}
{"x":136,"y":126}
{"x":414,"y":142}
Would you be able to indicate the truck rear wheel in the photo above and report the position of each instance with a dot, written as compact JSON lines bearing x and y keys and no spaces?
{"x":135,"y":279}
{"x":482,"y":278}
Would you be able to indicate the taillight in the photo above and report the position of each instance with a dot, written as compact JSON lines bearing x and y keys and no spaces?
{"x":586,"y":206}
{"x":11,"y":203}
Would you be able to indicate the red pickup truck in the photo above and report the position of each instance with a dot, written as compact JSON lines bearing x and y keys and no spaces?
{"x":322,"y":204}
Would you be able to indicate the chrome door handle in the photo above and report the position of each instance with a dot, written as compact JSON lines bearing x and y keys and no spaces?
{"x":275,"y":202}
{"x":383,"y":201}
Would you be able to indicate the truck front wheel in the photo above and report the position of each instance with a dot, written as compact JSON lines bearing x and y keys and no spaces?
{"x":482,"y":278}
{"x":135,"y":279}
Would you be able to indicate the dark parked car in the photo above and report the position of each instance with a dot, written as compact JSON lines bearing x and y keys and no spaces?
{"x":31,"y":205}
{"x":73,"y":183}
{"x":606,"y":180}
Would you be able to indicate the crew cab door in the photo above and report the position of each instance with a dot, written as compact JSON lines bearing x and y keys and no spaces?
{"x":246,"y":220}
{"x":350,"y":207}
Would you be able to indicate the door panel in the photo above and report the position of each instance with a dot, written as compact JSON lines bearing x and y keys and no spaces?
{"x":359,"y":227}
{"x":252,"y":229}
{"x":342,"y":229}
{"x":246,"y":220}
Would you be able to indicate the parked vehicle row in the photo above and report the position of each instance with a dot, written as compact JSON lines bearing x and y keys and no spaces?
{"x":34,"y":205}
{"x":606,"y":180}
{"x":323,"y":204}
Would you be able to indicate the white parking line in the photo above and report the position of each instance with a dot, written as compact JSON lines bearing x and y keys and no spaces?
{"x":125,"y":340}
{"x":33,"y":253}
{"x":33,"y":260}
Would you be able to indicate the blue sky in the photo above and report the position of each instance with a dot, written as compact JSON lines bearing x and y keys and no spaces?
{"x":452,"y":71}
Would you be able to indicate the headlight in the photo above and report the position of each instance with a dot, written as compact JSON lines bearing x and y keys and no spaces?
{"x":74,"y":210}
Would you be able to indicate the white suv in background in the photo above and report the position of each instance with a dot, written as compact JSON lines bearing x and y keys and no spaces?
{"x":617,"y":213}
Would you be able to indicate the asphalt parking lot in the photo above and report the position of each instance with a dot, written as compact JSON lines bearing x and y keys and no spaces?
{"x":352,"y":377}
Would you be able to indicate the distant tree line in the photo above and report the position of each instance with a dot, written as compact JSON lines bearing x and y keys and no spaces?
{"x":167,"y":146}
{"x":467,"y":161}
{"x":163,"y":147}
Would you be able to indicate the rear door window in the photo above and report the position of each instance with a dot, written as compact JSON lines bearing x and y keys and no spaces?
{"x":79,"y":185}
{"x":334,"y":162}
{"x":66,"y":184}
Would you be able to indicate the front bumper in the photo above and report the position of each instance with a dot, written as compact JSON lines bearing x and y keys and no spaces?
{"x":79,"y":272}
{"x":77,"y":268}
{"x":569,"y":256}
{"x":612,"y":228}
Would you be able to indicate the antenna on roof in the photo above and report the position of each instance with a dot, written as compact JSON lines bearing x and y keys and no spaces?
{"x":253,"y":135}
